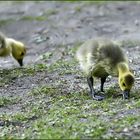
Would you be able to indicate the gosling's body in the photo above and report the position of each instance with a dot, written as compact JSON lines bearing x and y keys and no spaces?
{"x":9,"y":46}
{"x":100,"y":58}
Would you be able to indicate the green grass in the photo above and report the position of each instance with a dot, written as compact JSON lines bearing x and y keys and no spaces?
{"x":65,"y":65}
{"x":6,"y":21}
{"x":4,"y":101}
{"x":46,"y":56}
{"x":57,"y":115}
{"x":42,"y":17}
{"x":9,"y":75}
{"x":38,"y":18}
{"x":50,"y":12}
{"x":77,"y":116}
{"x":74,"y":115}
{"x":43,"y":90}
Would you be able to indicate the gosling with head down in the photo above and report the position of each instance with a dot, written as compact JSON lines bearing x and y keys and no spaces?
{"x":9,"y":46}
{"x":101,"y":58}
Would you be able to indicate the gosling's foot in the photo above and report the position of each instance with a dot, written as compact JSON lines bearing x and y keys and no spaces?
{"x":121,"y":95}
{"x":100,"y":93}
{"x":97,"y":98}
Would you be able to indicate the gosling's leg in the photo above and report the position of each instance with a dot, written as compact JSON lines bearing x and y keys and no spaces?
{"x":103,"y":79}
{"x":90,"y":81}
{"x":90,"y":84}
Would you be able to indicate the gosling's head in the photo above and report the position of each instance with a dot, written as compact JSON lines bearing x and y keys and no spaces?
{"x":126,"y":82}
{"x":18,"y":51}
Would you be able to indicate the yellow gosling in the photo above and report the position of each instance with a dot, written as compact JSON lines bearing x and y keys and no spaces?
{"x":9,"y":46}
{"x":101,"y":58}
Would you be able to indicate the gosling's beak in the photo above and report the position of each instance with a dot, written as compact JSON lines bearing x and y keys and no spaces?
{"x":20,"y":61}
{"x":126,"y":94}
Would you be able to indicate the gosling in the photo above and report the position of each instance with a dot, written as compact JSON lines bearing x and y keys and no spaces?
{"x":9,"y":46}
{"x":100,"y":58}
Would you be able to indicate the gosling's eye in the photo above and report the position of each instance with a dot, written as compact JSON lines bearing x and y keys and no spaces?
{"x":124,"y":84}
{"x":22,"y":54}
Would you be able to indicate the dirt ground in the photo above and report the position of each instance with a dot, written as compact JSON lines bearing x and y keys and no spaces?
{"x":51,"y":26}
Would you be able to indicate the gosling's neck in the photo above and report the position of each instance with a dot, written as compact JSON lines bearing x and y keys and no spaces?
{"x":122,"y":68}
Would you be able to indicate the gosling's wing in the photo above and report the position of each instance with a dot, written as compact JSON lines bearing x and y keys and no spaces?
{"x":87,"y":55}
